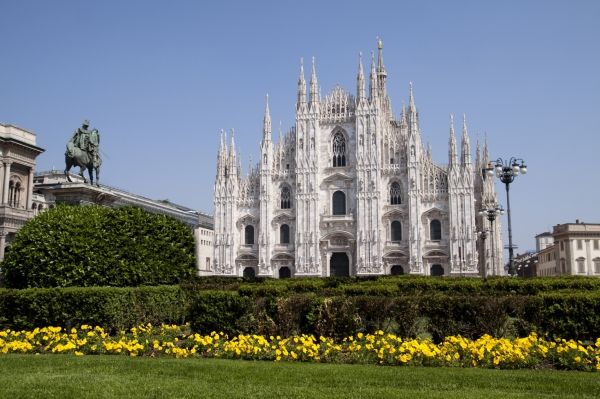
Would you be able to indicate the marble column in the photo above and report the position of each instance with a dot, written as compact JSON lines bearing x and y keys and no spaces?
{"x":5,"y":188}
{"x":2,"y":244}
{"x":29,"y":189}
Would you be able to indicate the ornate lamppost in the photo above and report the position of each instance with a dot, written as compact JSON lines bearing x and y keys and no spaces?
{"x":506,"y":171}
{"x":491,"y":211}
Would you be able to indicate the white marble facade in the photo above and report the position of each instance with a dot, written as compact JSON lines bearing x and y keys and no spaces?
{"x":351,"y":190}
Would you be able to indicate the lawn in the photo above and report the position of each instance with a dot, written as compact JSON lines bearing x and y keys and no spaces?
{"x":67,"y":376}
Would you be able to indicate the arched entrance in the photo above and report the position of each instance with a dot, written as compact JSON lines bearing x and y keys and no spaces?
{"x":396,"y":270}
{"x":339,"y":264}
{"x":437,"y":270}
{"x":249,"y":272}
{"x":285,"y":272}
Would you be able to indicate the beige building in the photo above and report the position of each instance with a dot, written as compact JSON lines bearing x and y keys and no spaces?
{"x":576,"y":251}
{"x":18,"y":151}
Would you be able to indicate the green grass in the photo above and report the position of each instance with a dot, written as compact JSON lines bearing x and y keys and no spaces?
{"x":66,"y":376}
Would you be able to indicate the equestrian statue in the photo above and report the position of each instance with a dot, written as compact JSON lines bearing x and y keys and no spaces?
{"x":83,"y":150}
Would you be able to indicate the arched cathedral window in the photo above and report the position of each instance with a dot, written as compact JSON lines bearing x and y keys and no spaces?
{"x":396,"y":231}
{"x":338,"y":203}
{"x":339,"y":149}
{"x":435,"y":230}
{"x":286,"y":198}
{"x":249,"y":235}
{"x":395,"y":198}
{"x":284,"y":234}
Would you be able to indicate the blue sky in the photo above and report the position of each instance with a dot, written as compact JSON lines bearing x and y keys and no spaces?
{"x":159,"y":79}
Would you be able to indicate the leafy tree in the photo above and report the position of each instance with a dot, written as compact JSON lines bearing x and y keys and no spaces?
{"x":98,"y":246}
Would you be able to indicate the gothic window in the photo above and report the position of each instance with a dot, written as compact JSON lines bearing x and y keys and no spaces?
{"x":397,"y":270}
{"x":339,"y":149}
{"x":396,"y":231}
{"x":286,"y":198}
{"x":249,"y":272}
{"x":249,"y":235}
{"x":284,"y":234}
{"x":435,"y":230}
{"x":338,"y":203}
{"x":395,"y":198}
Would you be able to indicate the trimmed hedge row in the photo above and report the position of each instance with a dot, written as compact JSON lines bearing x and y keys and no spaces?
{"x":564,"y":315}
{"x":567,"y":315}
{"x":394,"y":285}
{"x":110,"y":307}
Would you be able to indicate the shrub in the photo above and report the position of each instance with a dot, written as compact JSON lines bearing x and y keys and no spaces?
{"x":99,"y":246}
{"x":112,"y":308}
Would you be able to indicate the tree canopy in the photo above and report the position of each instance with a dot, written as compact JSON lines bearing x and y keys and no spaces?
{"x":98,"y":246}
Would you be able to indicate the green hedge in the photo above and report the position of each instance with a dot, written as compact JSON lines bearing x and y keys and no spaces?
{"x":275,"y":311}
{"x":111,"y":308}
{"x":397,"y":285}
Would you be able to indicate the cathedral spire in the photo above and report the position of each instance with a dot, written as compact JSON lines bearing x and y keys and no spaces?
{"x":314,"y":86}
{"x":373,"y":86}
{"x":411,"y":99}
{"x":452,"y":143}
{"x":301,"y":86}
{"x":478,"y":164}
{"x":381,"y":74}
{"x":465,"y":156}
{"x":267,"y":122}
{"x":360,"y":80}
{"x":486,"y":153}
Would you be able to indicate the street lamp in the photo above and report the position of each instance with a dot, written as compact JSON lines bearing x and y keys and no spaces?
{"x":490,"y":211}
{"x":506,"y":171}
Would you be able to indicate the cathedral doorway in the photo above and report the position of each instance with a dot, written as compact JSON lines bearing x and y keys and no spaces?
{"x":285,"y":272}
{"x":437,"y":270}
{"x":249,"y":272}
{"x":339,"y":265}
{"x":396,"y":270}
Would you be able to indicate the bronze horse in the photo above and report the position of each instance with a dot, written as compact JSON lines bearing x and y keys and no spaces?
{"x":75,"y":156}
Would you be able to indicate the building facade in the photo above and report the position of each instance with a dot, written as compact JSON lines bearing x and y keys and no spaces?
{"x":18,"y":152}
{"x":351,"y":190}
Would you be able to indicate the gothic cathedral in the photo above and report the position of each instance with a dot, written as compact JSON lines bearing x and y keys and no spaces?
{"x":351,"y":190}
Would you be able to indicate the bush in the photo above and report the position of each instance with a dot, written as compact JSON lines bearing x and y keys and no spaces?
{"x":98,"y":246}
{"x":112,"y":308}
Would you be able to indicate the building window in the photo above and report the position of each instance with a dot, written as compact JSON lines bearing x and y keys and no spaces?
{"x":562,"y":245}
{"x":338,"y":203}
{"x":396,"y":231}
{"x":339,"y":149}
{"x":395,"y":198}
{"x":596,"y":244}
{"x":435,"y":230}
{"x":286,"y":198}
{"x":249,"y":235}
{"x":207,"y":263}
{"x":579,"y":244}
{"x":597,"y":265}
{"x":284,"y":234}
{"x":580,"y":265}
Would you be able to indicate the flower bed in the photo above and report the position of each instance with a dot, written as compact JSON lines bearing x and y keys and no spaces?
{"x":378,"y":348}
